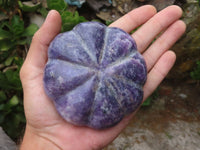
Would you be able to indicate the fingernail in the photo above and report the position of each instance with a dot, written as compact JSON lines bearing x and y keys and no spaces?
{"x":49,"y":14}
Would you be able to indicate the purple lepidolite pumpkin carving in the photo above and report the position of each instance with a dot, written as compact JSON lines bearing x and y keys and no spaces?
{"x":94,"y":75}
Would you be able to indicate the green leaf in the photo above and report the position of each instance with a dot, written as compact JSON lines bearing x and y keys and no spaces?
{"x":6,"y":45}
{"x":2,"y":106}
{"x":5,"y":24}
{"x":108,"y":22}
{"x":29,"y":6}
{"x":147,"y":102}
{"x":12,"y":125}
{"x":43,"y":11}
{"x":13,"y":78}
{"x":2,"y":77}
{"x":69,"y":20}
{"x":58,"y":5}
{"x":2,"y":96}
{"x":5,"y":34}
{"x":18,"y":61}
{"x":13,"y":101}
{"x":9,"y":60}
{"x":10,"y":80}
{"x":3,"y":55}
{"x":7,"y":3}
{"x":195,"y":74}
{"x":21,"y":42}
{"x":17,"y":119}
{"x":2,"y":117}
{"x":17,"y":25}
{"x":30,"y":30}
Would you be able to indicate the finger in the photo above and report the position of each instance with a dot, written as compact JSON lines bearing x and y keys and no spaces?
{"x":159,"y":22}
{"x":135,"y":18}
{"x":37,"y":55}
{"x":158,"y":72}
{"x":163,"y":43}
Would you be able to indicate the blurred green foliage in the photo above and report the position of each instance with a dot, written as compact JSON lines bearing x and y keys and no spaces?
{"x":15,"y":37}
{"x":152,"y":97}
{"x":13,"y":33}
{"x":195,"y":74}
{"x":28,"y":8}
{"x":69,"y":19}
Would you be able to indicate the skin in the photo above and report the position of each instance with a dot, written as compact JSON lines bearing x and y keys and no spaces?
{"x":45,"y":129}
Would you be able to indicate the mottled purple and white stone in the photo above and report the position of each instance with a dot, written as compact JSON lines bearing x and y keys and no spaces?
{"x":94,"y":75}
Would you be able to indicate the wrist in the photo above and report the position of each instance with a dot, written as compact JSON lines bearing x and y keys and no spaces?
{"x":33,"y":141}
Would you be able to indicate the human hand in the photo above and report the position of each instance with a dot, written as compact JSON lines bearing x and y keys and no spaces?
{"x":45,"y":129}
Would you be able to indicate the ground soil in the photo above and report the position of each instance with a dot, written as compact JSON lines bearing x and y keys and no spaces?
{"x":171,"y":121}
{"x":175,"y":101}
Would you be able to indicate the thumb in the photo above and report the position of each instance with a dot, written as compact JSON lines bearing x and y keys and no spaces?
{"x":37,"y":54}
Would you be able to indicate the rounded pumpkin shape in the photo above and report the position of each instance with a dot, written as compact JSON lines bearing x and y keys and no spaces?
{"x":94,"y":75}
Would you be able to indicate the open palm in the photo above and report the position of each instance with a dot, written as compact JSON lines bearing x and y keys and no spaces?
{"x":43,"y":121}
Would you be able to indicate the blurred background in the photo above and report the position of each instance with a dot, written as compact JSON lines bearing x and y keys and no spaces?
{"x":169,"y":118}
